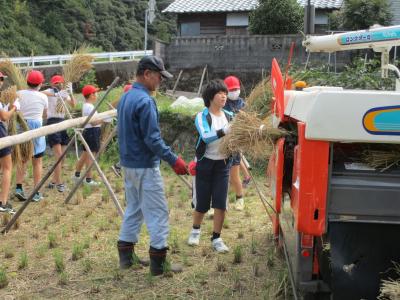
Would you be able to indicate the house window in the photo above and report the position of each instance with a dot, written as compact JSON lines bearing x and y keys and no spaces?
{"x":237,"y":20}
{"x":190,"y":28}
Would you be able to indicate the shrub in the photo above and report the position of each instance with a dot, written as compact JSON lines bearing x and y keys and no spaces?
{"x":277,"y":17}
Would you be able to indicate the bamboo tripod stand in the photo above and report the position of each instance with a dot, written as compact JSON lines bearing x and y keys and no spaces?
{"x":63,"y":154}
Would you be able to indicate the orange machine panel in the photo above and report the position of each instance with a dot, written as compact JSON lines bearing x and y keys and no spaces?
{"x":310,"y":183}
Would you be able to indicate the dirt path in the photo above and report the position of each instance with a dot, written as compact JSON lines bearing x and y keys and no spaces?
{"x":81,"y":240}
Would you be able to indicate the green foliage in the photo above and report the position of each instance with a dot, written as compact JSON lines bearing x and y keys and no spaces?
{"x":277,"y":17}
{"x":361,"y":14}
{"x":23,"y":260}
{"x":58,"y":26}
{"x":354,"y":76}
{"x":3,"y":278}
{"x":88,"y":78}
{"x":59,"y":261}
{"x":77,"y":251}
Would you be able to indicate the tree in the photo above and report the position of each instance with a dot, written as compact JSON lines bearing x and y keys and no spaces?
{"x":277,"y":17}
{"x":361,"y":14}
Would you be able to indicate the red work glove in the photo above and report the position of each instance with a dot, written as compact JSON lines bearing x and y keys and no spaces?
{"x":180,"y":167}
{"x":192,"y":168}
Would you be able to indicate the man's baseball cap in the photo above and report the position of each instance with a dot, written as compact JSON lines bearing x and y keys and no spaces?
{"x":2,"y":75}
{"x":89,"y":89}
{"x":154,"y":63}
{"x":57,"y":79}
{"x":35,"y":77}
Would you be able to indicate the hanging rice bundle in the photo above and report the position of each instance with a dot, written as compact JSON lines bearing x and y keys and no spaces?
{"x":106,"y":129}
{"x":14,"y":73}
{"x":382,"y":158}
{"x":251,"y":135}
{"x":21,"y":152}
{"x":9,"y":95}
{"x":390,"y":289}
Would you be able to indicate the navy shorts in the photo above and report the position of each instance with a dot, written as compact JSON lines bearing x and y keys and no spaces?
{"x":92,"y":138}
{"x":236,"y":158}
{"x":3,"y":133}
{"x":212,"y":179}
{"x":60,"y":137}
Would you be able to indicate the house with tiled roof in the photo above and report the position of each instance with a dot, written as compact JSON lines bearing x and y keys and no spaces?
{"x":231,"y":17}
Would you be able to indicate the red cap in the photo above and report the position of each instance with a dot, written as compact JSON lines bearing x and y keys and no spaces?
{"x":35,"y":77}
{"x":89,"y":89}
{"x":127,"y":87}
{"x":2,"y":75}
{"x":57,"y":79}
{"x":232,"y":83}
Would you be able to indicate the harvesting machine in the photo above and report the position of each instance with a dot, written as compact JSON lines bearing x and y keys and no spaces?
{"x":336,"y":218}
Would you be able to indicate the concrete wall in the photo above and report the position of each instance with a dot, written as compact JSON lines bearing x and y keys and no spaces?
{"x":105,"y":72}
{"x":246,"y":56}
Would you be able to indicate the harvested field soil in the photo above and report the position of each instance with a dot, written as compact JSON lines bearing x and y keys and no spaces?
{"x":69,"y":251}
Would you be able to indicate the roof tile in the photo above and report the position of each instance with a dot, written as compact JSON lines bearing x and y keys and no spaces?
{"x":203,"y":6}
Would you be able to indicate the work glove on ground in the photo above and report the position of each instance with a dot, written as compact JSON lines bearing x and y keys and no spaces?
{"x":192,"y":168}
{"x":180,"y":167}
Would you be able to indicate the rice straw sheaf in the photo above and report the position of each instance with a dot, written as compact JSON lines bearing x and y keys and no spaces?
{"x":13,"y":72}
{"x":390,"y":288}
{"x":251,"y":135}
{"x":21,"y":152}
{"x":79,"y":65}
{"x":9,"y":95}
{"x":106,"y":129}
{"x":60,"y":106}
{"x":383,"y":158}
{"x":260,"y":98}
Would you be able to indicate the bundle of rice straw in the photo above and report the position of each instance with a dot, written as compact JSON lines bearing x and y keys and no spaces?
{"x":382,"y":159}
{"x":106,"y":129}
{"x":260,"y":98}
{"x":79,"y":65}
{"x":21,"y":152}
{"x":14,"y":73}
{"x":390,"y":289}
{"x":73,"y":70}
{"x":251,"y":135}
{"x":9,"y":95}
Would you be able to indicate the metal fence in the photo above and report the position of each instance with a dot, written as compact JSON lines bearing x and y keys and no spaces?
{"x":47,"y":60}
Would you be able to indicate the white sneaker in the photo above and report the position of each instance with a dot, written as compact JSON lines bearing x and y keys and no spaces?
{"x":239,"y":205}
{"x":92,"y":183}
{"x":210,"y":212}
{"x":219,"y":246}
{"x":194,"y":237}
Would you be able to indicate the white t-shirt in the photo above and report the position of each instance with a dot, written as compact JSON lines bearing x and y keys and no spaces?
{"x":212,"y":150}
{"x":32,"y":104}
{"x":52,"y":112}
{"x":86,"y":110}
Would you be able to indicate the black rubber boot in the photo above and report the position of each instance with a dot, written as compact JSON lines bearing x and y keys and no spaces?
{"x":125,"y":252}
{"x":157,"y":260}
{"x":159,"y":264}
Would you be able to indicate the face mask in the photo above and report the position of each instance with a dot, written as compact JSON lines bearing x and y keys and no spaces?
{"x":234,"y":95}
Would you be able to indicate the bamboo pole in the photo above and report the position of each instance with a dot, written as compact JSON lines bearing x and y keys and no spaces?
{"x":49,"y":172}
{"x":103,"y":177}
{"x":46,"y":130}
{"x":201,"y":80}
{"x":101,"y":150}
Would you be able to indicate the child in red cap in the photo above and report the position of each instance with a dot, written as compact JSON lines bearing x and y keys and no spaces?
{"x":58,"y":93}
{"x":91,"y":134}
{"x":34,"y":106}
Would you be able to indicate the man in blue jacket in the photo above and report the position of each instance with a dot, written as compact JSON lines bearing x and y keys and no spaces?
{"x":141,"y":148}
